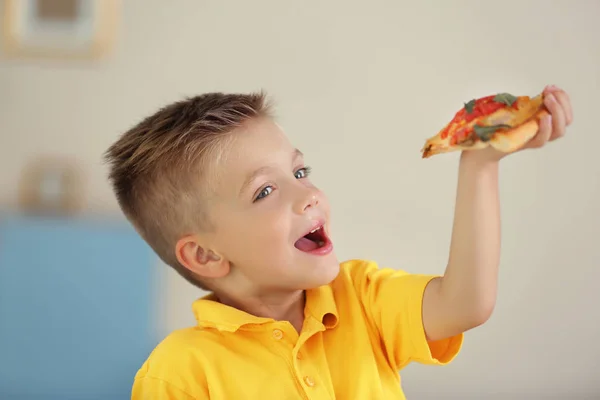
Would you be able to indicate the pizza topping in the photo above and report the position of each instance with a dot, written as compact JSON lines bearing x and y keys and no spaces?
{"x":486,"y":121}
{"x":485,"y":133}
{"x":470,"y":106}
{"x":476,"y":109}
{"x":486,"y":105}
{"x":505,"y":98}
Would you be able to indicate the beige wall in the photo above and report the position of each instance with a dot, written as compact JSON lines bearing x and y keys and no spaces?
{"x":360,"y":85}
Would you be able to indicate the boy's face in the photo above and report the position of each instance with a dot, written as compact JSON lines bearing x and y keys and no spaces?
{"x":263,"y":209}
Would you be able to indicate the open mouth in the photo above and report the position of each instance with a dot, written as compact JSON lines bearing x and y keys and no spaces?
{"x":315,"y":241}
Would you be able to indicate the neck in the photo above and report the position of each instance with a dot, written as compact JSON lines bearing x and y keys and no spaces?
{"x":280,"y":307}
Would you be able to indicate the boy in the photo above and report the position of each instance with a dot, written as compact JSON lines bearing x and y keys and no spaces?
{"x":222,"y":196}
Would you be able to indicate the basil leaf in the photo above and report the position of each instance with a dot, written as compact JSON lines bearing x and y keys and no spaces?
{"x":469,"y":106}
{"x":485,"y":133}
{"x":505,"y":98}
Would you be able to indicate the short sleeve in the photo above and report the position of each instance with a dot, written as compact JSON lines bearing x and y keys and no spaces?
{"x":393,"y":302}
{"x":153,"y":388}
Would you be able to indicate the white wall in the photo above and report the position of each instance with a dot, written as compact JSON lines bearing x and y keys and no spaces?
{"x":360,"y":85}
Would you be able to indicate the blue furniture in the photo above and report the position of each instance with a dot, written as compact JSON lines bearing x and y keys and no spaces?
{"x":75,"y":308}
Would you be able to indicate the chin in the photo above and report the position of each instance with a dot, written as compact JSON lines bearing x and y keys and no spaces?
{"x":333,"y":271}
{"x":324,"y":271}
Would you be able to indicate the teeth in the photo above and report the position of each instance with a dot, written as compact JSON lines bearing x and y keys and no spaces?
{"x":314,"y":230}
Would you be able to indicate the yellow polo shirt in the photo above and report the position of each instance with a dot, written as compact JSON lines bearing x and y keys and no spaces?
{"x":359,"y":331}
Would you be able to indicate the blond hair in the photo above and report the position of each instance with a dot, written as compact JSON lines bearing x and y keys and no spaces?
{"x":157,"y":167}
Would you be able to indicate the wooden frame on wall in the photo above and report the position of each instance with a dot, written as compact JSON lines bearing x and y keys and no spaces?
{"x":59,"y":29}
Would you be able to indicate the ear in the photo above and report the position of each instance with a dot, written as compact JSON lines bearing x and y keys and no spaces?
{"x":200,"y":260}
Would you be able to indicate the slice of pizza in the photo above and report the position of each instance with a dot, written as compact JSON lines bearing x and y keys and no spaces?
{"x":503,"y":121}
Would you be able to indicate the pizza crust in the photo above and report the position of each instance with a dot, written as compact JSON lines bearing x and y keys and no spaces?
{"x":515,"y":138}
{"x":436,"y":145}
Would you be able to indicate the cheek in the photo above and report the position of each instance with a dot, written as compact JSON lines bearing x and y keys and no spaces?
{"x":260,"y":233}
{"x":274,"y":228}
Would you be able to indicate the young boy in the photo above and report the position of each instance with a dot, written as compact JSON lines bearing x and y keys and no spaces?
{"x":222,"y":196}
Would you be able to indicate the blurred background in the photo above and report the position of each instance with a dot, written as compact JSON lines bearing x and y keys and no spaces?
{"x":358,"y":86}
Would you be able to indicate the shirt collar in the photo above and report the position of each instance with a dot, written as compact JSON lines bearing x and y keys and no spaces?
{"x":320,"y":304}
{"x":209,"y":313}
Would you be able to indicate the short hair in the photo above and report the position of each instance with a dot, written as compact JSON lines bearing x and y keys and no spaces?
{"x":157,"y":168}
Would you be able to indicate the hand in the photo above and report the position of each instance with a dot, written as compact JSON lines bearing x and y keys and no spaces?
{"x":552,"y":126}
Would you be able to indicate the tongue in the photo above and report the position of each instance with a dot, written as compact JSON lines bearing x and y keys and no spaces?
{"x":305,"y":244}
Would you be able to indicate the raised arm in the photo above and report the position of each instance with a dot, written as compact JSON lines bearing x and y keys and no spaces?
{"x":466,"y":295}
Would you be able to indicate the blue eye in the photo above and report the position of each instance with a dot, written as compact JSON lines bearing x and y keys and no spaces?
{"x":264,"y":193}
{"x":302,"y":173}
{"x":267,"y":190}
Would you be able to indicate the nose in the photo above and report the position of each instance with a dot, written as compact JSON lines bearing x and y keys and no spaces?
{"x":309,"y":199}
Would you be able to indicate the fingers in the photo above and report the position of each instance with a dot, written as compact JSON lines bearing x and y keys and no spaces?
{"x":553,"y":126}
{"x":563,"y":99}
{"x":559,"y":118}
{"x":544,"y":133}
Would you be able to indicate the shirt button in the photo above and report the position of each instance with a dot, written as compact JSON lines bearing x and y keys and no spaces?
{"x":277,"y":334}
{"x":309,"y":381}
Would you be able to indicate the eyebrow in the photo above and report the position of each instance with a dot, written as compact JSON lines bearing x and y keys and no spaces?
{"x":262,"y":170}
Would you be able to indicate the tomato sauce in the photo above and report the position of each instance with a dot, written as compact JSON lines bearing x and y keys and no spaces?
{"x":483,"y":106}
